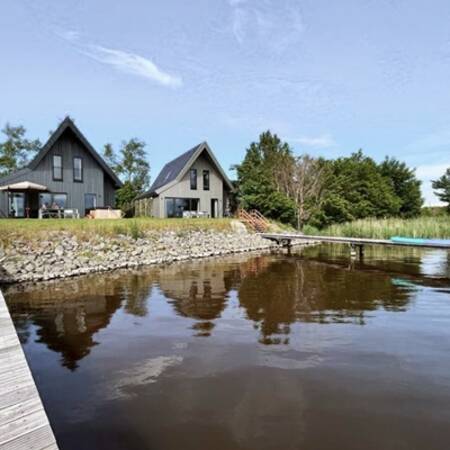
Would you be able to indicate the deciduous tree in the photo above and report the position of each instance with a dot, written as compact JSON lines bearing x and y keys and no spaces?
{"x":16,"y":151}
{"x":302,"y":180}
{"x":130,"y":163}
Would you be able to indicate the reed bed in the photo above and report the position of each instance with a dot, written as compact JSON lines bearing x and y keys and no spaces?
{"x":422,"y":227}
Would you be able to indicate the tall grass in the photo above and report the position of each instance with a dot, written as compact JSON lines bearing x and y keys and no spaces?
{"x":84,"y":228}
{"x":422,"y":227}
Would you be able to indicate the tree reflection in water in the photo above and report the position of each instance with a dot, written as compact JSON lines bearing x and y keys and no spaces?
{"x":273,"y":292}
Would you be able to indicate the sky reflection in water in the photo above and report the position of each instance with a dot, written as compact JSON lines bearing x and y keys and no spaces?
{"x":237,"y":352}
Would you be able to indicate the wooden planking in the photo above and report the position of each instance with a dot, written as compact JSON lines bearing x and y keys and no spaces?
{"x":280,"y":237}
{"x":23,"y":422}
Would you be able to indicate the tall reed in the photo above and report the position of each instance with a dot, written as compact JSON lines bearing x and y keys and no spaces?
{"x":421,"y":227}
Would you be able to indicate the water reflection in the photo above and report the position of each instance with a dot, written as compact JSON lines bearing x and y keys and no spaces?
{"x":292,"y":290}
{"x":199,"y":292}
{"x":273,"y":292}
{"x":66,"y":316}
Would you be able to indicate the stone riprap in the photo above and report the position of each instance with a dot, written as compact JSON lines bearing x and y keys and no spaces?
{"x":62,"y":254}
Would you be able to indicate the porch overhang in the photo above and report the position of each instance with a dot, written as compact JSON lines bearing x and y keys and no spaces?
{"x":23,"y":186}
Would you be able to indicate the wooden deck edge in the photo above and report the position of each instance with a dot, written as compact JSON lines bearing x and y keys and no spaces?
{"x":24,"y":424}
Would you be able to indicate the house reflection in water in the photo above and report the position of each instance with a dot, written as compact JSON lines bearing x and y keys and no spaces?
{"x":66,"y":316}
{"x":273,"y":293}
{"x":199,"y":291}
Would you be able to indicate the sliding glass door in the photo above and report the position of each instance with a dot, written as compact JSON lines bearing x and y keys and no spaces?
{"x":17,"y":204}
{"x":174,"y":207}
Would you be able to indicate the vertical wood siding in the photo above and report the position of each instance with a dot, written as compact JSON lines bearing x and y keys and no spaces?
{"x":183,"y":189}
{"x":95,"y":181}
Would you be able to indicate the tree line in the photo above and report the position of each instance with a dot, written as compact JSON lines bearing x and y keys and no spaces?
{"x":303,"y":190}
{"x":296,"y":189}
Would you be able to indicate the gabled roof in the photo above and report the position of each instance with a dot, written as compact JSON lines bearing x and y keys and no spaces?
{"x":175,"y":170}
{"x":68,"y":123}
{"x":172,"y":169}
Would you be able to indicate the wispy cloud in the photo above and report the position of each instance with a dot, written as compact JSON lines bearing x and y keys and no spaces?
{"x":121,"y":60}
{"x":323,"y":141}
{"x":275,"y":25}
{"x":69,"y":35}
{"x":132,"y":63}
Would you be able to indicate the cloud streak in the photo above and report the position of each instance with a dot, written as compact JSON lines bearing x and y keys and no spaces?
{"x":132,"y":63}
{"x":123,"y":61}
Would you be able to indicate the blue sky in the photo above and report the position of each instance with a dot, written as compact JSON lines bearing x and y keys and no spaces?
{"x":328,"y":77}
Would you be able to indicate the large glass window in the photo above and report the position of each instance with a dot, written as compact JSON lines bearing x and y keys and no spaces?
{"x":45,"y":200}
{"x":77,"y":169}
{"x":59,"y":201}
{"x":206,"y":180}
{"x":52,"y":201}
{"x":193,"y":175}
{"x":57,"y":168}
{"x":176,"y":206}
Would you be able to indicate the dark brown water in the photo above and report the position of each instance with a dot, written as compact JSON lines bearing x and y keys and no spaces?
{"x":261,"y":352}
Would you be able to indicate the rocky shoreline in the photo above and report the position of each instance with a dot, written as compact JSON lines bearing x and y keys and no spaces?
{"x":63,"y":255}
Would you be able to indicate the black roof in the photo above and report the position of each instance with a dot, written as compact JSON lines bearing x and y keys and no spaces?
{"x":171,"y":170}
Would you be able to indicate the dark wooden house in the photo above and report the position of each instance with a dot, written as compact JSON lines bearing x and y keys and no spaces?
{"x":67,"y":174}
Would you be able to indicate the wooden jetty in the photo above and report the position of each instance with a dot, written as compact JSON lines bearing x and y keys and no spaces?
{"x":23,"y":422}
{"x":286,"y":239}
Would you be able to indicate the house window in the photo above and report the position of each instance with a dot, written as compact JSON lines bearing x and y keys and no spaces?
{"x":57,"y":168}
{"x":176,"y":206}
{"x":77,"y":169}
{"x":59,"y":200}
{"x":45,"y":200}
{"x":52,"y":201}
{"x":193,"y":176}
{"x":206,"y":180}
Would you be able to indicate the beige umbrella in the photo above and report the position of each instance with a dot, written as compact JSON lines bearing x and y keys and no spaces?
{"x":24,"y":186}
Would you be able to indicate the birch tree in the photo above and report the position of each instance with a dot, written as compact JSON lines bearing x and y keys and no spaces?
{"x":302,"y":180}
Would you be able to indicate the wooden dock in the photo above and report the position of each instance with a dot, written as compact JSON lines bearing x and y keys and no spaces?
{"x":286,"y":239}
{"x":23,"y":422}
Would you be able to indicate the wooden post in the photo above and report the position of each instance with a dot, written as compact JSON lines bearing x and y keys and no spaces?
{"x":361,"y":252}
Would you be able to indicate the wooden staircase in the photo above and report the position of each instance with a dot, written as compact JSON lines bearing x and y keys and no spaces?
{"x":254,"y":220}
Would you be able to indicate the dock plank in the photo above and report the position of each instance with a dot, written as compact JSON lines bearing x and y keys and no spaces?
{"x":23,"y":422}
{"x":283,"y":237}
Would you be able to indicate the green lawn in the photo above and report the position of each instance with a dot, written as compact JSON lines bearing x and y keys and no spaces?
{"x":84,"y":227}
{"x":422,"y":227}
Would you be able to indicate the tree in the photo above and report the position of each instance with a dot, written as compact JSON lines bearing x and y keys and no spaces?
{"x":132,"y":167}
{"x":405,"y":185}
{"x":302,"y":180}
{"x":441,"y":188}
{"x":16,"y":151}
{"x":355,"y":189}
{"x":257,"y":186}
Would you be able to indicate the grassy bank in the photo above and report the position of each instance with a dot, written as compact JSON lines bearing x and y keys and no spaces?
{"x":421,"y":227}
{"x":84,"y":228}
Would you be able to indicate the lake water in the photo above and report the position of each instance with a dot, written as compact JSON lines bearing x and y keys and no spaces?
{"x":270,"y":351}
